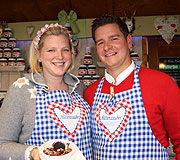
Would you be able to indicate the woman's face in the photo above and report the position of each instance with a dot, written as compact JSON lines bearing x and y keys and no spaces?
{"x":55,"y":56}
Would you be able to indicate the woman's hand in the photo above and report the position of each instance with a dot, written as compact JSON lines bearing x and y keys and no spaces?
{"x":34,"y":154}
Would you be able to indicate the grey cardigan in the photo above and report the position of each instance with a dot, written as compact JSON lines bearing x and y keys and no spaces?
{"x":17,"y":114}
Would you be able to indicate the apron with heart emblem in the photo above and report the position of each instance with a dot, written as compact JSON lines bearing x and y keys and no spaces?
{"x":120,"y":128}
{"x":60,"y":115}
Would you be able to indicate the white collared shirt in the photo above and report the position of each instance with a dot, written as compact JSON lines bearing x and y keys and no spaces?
{"x":122,"y":76}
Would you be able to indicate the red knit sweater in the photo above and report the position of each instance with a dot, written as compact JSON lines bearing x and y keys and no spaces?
{"x":161,"y":98}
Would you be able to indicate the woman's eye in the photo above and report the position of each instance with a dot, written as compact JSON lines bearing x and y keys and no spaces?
{"x":66,"y":50}
{"x":51,"y":50}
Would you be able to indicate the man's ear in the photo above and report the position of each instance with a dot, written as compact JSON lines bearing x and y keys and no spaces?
{"x":129,"y":41}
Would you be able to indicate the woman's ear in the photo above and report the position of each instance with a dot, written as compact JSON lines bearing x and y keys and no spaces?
{"x":37,"y":54}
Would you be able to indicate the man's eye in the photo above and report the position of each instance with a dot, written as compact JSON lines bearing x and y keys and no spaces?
{"x":99,"y":43}
{"x":114,"y":38}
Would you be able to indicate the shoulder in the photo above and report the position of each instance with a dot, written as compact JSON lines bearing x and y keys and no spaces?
{"x":157,"y":83}
{"x":20,"y":84}
{"x":90,"y":91}
{"x":74,"y":83}
{"x":22,"y":87}
{"x":93,"y":86}
{"x":80,"y":88}
{"x":17,"y":94}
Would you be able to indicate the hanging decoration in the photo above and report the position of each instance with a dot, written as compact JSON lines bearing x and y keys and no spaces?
{"x":69,"y":21}
{"x":130,"y":22}
{"x":71,"y":18}
{"x":167,"y":27}
{"x":75,"y":41}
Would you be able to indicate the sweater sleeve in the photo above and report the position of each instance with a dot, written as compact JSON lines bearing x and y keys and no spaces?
{"x":11,"y":116}
{"x":161,"y":98}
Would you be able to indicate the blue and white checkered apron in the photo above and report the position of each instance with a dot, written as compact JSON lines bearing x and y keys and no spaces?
{"x":120,"y":127}
{"x":62,"y":116}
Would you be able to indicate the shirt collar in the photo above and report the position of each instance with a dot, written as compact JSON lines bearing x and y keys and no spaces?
{"x":71,"y":80}
{"x":122,"y":76}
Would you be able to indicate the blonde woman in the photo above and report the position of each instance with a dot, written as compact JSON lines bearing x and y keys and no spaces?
{"x":46,"y":103}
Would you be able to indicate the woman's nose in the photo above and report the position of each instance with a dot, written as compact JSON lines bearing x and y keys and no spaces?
{"x":59,"y":55}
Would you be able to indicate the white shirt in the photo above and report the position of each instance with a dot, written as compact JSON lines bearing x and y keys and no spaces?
{"x":122,"y":76}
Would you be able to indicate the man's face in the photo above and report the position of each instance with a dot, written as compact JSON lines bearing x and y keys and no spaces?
{"x":113,"y":47}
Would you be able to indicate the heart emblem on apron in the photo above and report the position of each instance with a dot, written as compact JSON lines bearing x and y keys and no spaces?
{"x":68,"y":118}
{"x":113,"y":120}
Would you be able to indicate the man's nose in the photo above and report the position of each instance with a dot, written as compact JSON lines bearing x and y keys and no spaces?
{"x":107,"y":46}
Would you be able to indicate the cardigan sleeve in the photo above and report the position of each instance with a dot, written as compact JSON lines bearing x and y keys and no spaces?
{"x":11,"y":117}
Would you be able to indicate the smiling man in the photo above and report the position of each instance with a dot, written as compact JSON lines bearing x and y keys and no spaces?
{"x":149,"y":110}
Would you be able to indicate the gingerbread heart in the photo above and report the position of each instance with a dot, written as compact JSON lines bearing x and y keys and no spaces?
{"x":112,"y":120}
{"x":167,"y":27}
{"x":68,"y":118}
{"x":30,"y":30}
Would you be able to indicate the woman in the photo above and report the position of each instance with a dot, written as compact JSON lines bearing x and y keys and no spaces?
{"x":47,"y":103}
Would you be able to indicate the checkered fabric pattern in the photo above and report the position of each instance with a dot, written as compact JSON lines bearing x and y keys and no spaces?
{"x":110,"y":111}
{"x":135,"y":141}
{"x":49,"y":126}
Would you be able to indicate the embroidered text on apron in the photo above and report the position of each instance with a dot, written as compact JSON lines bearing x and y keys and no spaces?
{"x":120,"y":128}
{"x":62,"y":116}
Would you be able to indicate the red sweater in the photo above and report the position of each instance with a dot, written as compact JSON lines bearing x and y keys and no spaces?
{"x":161,"y":98}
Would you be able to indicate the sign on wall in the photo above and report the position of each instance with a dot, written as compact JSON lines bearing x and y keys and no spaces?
{"x":171,"y":66}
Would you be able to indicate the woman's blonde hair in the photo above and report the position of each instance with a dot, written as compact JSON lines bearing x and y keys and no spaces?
{"x":35,"y":65}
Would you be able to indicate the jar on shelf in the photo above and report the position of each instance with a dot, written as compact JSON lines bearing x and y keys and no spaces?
{"x":87,"y":80}
{"x":7,"y":52}
{"x":1,"y":52}
{"x":87,"y":54}
{"x":134,"y":56}
{"x":87,"y":59}
{"x":82,"y":70}
{"x":11,"y":61}
{"x":16,"y":52}
{"x":88,"y":51}
{"x":12,"y":43}
{"x":80,"y":78}
{"x":7,"y":32}
{"x":3,"y":42}
{"x":95,"y":78}
{"x":20,"y":61}
{"x":3,"y":62}
{"x":91,"y":69}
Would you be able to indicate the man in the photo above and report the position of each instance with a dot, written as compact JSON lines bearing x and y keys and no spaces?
{"x":135,"y":110}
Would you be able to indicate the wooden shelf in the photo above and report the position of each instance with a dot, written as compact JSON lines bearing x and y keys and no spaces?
{"x":11,"y":68}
